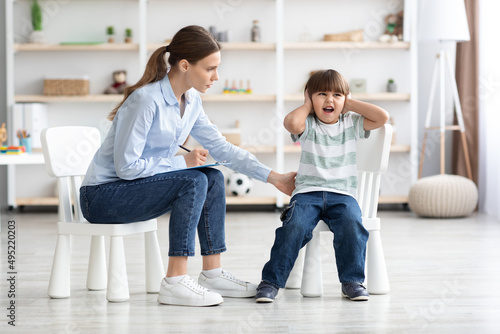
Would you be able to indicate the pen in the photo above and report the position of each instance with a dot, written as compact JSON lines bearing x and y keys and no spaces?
{"x":185,"y":149}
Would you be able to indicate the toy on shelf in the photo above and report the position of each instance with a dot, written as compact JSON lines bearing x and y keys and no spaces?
{"x":233,"y":89}
{"x":119,"y":84}
{"x":3,"y":134}
{"x":12,"y":150}
{"x":393,"y":28}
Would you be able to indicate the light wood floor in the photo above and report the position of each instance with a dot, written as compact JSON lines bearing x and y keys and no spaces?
{"x":444,"y":279}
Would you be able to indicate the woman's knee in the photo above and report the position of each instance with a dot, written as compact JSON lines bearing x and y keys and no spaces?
{"x":214,"y":176}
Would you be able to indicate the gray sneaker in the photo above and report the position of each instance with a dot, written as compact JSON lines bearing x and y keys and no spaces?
{"x":355,"y":291}
{"x":266,"y":293}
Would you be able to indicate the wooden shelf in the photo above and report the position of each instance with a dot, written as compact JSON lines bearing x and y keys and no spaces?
{"x":34,"y":47}
{"x":400,"y":148}
{"x":250,"y":200}
{"x":42,"y":201}
{"x":345,"y":45}
{"x":68,"y":98}
{"x":118,"y":98}
{"x":238,"y":98}
{"x":393,"y":200}
{"x":359,"y":96}
{"x":243,"y":46}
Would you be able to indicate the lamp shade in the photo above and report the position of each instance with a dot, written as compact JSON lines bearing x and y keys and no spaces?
{"x":443,"y":20}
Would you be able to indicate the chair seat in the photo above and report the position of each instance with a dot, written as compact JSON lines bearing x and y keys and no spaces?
{"x":86,"y":228}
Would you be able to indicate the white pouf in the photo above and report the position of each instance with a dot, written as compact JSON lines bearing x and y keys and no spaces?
{"x":443,"y":196}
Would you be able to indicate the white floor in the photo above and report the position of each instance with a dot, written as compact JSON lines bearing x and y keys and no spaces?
{"x":443,"y":273}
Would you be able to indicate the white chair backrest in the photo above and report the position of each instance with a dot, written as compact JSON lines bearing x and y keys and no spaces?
{"x":372,"y":158}
{"x":68,"y":151}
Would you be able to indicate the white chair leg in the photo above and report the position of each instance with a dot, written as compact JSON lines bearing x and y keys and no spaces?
{"x":312,"y":279}
{"x":377,"y":279}
{"x":60,"y":280}
{"x":154,"y":265}
{"x":117,"y":272}
{"x":295,"y":279}
{"x":96,"y":274}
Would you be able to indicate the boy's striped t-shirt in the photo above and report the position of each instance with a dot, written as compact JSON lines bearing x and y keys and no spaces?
{"x":328,"y":155}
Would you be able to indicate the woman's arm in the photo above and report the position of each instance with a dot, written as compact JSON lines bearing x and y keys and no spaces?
{"x":295,"y":121}
{"x":375,"y":116}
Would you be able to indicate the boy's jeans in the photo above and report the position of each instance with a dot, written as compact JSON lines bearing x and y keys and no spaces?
{"x":195,"y":198}
{"x":342,"y":215}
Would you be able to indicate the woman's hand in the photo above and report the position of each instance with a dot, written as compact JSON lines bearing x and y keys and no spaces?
{"x":196,"y":157}
{"x":283,"y":182}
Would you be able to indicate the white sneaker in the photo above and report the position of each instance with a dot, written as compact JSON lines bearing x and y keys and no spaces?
{"x":228,"y":285}
{"x":187,"y":293}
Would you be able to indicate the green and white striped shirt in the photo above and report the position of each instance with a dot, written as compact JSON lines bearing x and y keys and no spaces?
{"x":328,"y":155}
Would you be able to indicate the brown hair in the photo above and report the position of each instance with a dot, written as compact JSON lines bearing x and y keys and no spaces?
{"x":327,"y":81}
{"x":192,"y":43}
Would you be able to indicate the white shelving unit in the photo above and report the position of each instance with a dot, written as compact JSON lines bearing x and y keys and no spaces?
{"x":279,"y":50}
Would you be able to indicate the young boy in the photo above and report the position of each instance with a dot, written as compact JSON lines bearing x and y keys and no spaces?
{"x":327,"y":126}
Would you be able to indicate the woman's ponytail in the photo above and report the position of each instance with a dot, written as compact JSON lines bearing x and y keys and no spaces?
{"x":192,"y":43}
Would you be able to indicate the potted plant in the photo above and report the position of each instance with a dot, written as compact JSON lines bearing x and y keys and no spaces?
{"x":391,"y":86}
{"x":36,"y":35}
{"x":110,"y":31}
{"x":128,"y":35}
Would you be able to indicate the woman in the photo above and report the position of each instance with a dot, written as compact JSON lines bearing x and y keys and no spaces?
{"x":136,"y":174}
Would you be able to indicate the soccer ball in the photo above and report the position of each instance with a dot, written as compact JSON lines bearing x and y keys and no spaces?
{"x":238,"y":184}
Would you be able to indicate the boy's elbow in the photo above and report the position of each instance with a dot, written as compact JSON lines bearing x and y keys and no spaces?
{"x":295,"y":128}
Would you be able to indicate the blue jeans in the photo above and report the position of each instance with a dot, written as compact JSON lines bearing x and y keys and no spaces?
{"x":342,"y":215}
{"x":195,"y":197}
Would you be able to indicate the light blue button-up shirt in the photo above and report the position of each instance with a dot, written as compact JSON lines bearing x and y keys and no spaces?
{"x":147,"y":131}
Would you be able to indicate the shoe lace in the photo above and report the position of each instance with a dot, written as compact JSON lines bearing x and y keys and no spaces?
{"x":192,"y":284}
{"x":231,"y":277}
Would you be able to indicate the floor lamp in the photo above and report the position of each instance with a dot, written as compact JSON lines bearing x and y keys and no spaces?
{"x":444,"y":21}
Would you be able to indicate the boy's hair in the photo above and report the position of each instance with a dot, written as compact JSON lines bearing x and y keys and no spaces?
{"x":327,"y":81}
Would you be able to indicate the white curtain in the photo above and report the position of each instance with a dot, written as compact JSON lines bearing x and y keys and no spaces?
{"x":489,"y":107}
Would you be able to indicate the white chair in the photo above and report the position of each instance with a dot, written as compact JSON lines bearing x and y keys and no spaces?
{"x":68,"y":152}
{"x":372,"y":160}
